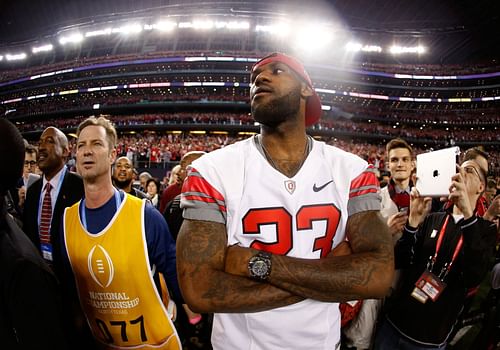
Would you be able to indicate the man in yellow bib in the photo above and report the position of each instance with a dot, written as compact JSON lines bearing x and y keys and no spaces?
{"x":116,"y":245}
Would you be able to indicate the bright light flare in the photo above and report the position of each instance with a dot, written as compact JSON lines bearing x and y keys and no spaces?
{"x":314,"y":37}
{"x":100,"y":32}
{"x":198,"y":24}
{"x":42,"y":48}
{"x":165,"y":26}
{"x":72,"y":38}
{"x":356,"y":47}
{"x":233,"y":25}
{"x":16,"y":57}
{"x":128,"y":29}
{"x":278,"y":29}
{"x":397,"y":50}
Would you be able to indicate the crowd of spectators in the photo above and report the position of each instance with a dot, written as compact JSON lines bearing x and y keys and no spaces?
{"x":160,"y":150}
{"x":366,"y":128}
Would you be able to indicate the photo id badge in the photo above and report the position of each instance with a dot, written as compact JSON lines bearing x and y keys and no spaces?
{"x":46,"y":251}
{"x":431,"y":285}
{"x":419,"y":295}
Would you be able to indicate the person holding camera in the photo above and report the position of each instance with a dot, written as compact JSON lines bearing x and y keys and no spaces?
{"x":444,"y":254}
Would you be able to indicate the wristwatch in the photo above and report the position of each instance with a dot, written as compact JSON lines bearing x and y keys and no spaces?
{"x":259,"y":266}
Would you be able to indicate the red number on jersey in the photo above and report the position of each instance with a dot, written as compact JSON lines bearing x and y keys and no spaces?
{"x":254,"y":218}
{"x":282,"y":219}
{"x":307,"y":214}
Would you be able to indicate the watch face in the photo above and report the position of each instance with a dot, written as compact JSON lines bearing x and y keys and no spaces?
{"x":259,"y":268}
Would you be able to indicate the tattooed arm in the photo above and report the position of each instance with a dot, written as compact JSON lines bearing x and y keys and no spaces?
{"x":366,"y":273}
{"x":201,"y":250}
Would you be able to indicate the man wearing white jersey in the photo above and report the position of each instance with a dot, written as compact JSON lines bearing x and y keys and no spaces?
{"x":263,"y":215}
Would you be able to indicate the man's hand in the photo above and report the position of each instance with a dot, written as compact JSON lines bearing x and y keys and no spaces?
{"x":493,"y":212}
{"x":419,"y":208}
{"x":22,"y":196}
{"x":458,"y":194}
{"x":396,"y":222}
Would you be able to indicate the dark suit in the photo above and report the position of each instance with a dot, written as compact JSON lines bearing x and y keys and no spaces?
{"x":30,"y":302}
{"x":71,"y":192}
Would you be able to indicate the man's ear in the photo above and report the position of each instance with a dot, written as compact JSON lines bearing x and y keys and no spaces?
{"x":306,"y":91}
{"x":481,"y":187}
{"x":65,"y":151}
{"x":112,"y":156}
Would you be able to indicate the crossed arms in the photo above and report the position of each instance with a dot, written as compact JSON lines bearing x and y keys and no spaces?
{"x":214,"y":277}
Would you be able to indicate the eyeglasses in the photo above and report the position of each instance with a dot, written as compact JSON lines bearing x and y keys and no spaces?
{"x":30,"y":162}
{"x":473,"y":170}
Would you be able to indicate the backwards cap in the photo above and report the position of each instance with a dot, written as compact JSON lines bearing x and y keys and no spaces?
{"x":313,"y":103}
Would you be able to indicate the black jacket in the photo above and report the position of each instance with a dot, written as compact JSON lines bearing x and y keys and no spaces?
{"x":30,"y":304}
{"x":71,"y":192}
{"x":431,"y":323}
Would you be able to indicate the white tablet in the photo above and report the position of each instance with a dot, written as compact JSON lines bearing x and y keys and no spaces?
{"x":435,"y":170}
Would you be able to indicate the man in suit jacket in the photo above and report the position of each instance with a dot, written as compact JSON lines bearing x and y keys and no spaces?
{"x":30,"y":304}
{"x":66,"y":189}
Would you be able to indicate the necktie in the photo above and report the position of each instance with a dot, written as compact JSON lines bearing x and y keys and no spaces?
{"x":46,"y":216}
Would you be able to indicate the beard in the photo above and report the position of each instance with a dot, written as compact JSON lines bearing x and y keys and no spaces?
{"x":278,"y":110}
{"x":122,"y":184}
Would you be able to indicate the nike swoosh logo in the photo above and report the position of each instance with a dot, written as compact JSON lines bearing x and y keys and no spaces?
{"x":317,"y":189}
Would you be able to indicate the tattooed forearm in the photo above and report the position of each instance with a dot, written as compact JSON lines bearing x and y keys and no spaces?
{"x":366,"y":273}
{"x":206,"y":287}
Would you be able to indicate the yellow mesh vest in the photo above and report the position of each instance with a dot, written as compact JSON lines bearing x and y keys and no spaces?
{"x":115,"y":285}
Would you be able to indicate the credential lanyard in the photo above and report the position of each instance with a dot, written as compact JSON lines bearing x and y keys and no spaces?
{"x":447,"y":266}
{"x":84,"y":215}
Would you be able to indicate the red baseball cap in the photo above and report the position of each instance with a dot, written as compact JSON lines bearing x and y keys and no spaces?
{"x":313,"y":103}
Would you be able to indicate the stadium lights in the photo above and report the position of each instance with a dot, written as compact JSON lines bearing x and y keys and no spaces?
{"x":72,"y":38}
{"x":314,"y":37}
{"x":356,"y":47}
{"x":99,"y":32}
{"x":16,"y":57}
{"x":43,"y":48}
{"x":396,"y":49}
{"x":128,"y":29}
{"x":164,"y":26}
{"x":280,"y":29}
{"x":1,"y":58}
{"x":201,"y":25}
{"x":235,"y":25}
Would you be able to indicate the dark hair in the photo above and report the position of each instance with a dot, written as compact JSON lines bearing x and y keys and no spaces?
{"x":398,"y":143}
{"x":31,"y":149}
{"x":491,"y":183}
{"x":11,"y":154}
{"x":472,"y":154}
{"x":157,"y":183}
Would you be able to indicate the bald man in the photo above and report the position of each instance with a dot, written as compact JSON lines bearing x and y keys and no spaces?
{"x":66,"y":188}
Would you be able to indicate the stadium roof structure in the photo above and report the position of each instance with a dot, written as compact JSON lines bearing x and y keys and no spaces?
{"x":453,"y":31}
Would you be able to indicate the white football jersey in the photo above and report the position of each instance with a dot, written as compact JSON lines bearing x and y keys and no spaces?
{"x":304,"y":216}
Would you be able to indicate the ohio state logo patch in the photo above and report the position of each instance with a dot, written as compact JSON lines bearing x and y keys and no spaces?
{"x":290,"y":186}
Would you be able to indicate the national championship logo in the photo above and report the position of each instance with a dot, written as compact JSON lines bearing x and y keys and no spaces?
{"x":100,"y":266}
